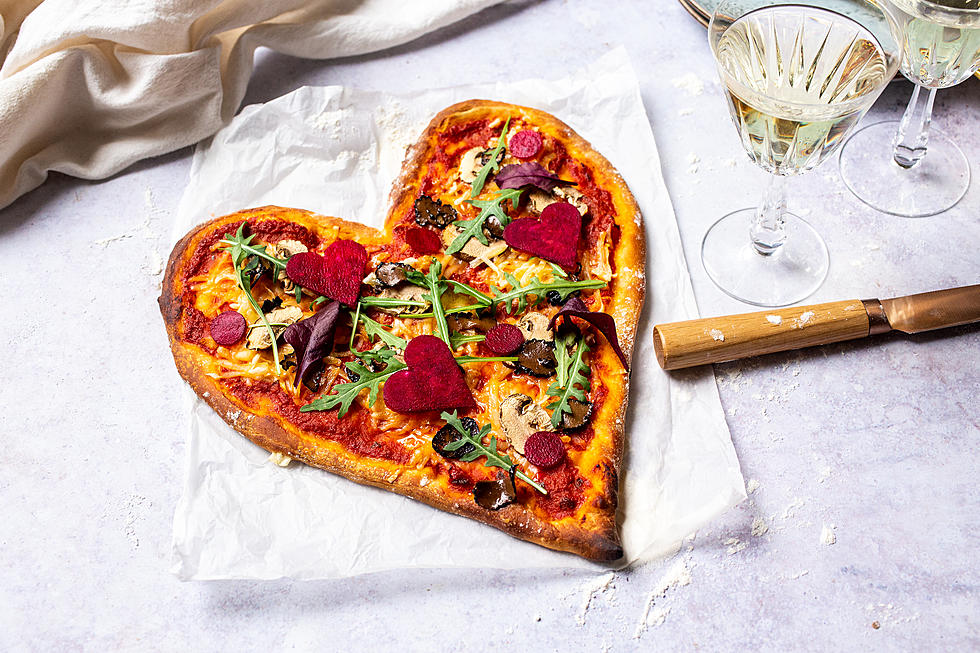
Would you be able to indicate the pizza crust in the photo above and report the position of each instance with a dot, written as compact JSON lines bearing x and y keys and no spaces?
{"x":597,"y":538}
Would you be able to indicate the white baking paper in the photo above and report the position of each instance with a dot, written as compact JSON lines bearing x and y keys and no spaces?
{"x":336,"y":151}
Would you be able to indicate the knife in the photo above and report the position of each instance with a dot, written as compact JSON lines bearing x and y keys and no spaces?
{"x":719,"y":339}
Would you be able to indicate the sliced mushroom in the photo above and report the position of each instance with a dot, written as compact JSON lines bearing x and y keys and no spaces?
{"x":494,"y":495}
{"x":391,"y":274}
{"x":538,"y":199}
{"x":579,"y":417}
{"x":448,"y":434}
{"x":573,"y":196}
{"x":473,"y":160}
{"x":537,"y":358}
{"x":536,"y":326}
{"x":258,"y":336}
{"x":284,"y":249}
{"x":473,"y":250}
{"x":431,"y":212}
{"x":405,"y":291}
{"x":463,"y":322}
{"x":287,"y":248}
{"x":520,"y":416}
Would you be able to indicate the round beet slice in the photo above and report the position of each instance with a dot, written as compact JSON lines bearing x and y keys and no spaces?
{"x":228,"y":328}
{"x":526,"y":144}
{"x":544,"y":449}
{"x":423,"y":241}
{"x":504,"y":339}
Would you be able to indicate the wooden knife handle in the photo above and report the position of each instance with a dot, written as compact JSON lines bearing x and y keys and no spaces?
{"x":730,"y":337}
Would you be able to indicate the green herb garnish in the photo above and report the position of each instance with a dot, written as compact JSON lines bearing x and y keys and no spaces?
{"x":518,"y":294}
{"x":436,"y":285}
{"x":572,"y":381}
{"x":374,"y":329}
{"x":473,"y":228}
{"x":345,"y":393}
{"x":243,"y":252}
{"x":493,"y":457}
{"x":241,"y":247}
{"x":491,"y":165}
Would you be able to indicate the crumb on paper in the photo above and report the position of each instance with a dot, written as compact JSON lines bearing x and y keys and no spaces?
{"x":774,"y":319}
{"x":279,"y":459}
{"x":759,"y":527}
{"x":735,"y":545}
{"x":729,"y":163}
{"x":685,"y":112}
{"x":799,"y":574}
{"x":601,"y":586}
{"x":827,"y":534}
{"x":752,"y":486}
{"x":716,"y":334}
{"x":693,"y":163}
{"x":689,"y":83}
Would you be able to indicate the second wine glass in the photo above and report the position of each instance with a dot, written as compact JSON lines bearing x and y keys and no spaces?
{"x":797,"y":79}
{"x":906,"y":168}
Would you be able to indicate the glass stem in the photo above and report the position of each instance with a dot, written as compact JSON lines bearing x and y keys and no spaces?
{"x":913,"y":133}
{"x":767,"y":230}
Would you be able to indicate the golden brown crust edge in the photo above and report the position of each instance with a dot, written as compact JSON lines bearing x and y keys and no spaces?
{"x":599,"y":542}
{"x":628,"y":291}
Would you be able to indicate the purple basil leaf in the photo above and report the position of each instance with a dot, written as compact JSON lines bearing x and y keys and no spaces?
{"x":604,"y":322}
{"x":312,"y":338}
{"x":528,"y":174}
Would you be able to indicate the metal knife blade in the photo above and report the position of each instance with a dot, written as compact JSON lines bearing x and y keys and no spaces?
{"x":933,"y":310}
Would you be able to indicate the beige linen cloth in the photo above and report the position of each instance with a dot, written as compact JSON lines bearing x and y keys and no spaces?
{"x":88,"y":87}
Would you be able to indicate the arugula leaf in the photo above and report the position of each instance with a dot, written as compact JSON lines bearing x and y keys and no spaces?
{"x":376,"y":330}
{"x":458,"y":340}
{"x":458,"y":286}
{"x":380,"y":354}
{"x":435,"y":284}
{"x":493,"y":457}
{"x":538,"y":289}
{"x":572,"y":381}
{"x":491,"y":165}
{"x":474,"y":228}
{"x":240,"y":249}
{"x":241,"y":246}
{"x":462,"y":360}
{"x":344,"y":394}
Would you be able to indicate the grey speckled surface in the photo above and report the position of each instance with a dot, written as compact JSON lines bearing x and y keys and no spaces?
{"x":879,"y":439}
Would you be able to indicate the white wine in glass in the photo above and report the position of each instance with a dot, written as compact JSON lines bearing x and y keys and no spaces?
{"x":797,"y":79}
{"x":885,"y":164}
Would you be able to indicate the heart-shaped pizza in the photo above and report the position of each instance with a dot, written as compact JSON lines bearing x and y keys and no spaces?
{"x":474,"y":355}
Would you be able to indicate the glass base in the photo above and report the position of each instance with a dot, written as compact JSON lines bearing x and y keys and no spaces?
{"x":935,"y":184}
{"x":788,"y":275}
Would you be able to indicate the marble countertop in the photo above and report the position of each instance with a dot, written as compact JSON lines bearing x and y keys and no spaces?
{"x":871,"y":445}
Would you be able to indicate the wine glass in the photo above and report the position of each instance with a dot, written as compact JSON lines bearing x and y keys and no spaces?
{"x":885,"y":164}
{"x":797,"y":79}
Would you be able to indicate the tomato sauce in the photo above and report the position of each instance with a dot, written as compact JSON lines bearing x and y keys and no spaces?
{"x":566,"y":490}
{"x":351,"y":431}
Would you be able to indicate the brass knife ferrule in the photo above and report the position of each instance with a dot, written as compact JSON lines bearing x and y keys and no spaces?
{"x":877,"y":320}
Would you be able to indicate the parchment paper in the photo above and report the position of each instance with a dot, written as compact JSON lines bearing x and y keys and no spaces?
{"x":336,"y":151}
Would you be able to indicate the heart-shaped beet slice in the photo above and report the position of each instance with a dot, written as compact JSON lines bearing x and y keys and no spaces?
{"x":504,"y":339}
{"x":544,"y":449}
{"x":337,"y":274}
{"x":525,"y":144}
{"x":554,"y":237}
{"x":433,"y":380}
{"x":423,"y":241}
{"x":228,"y":328}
